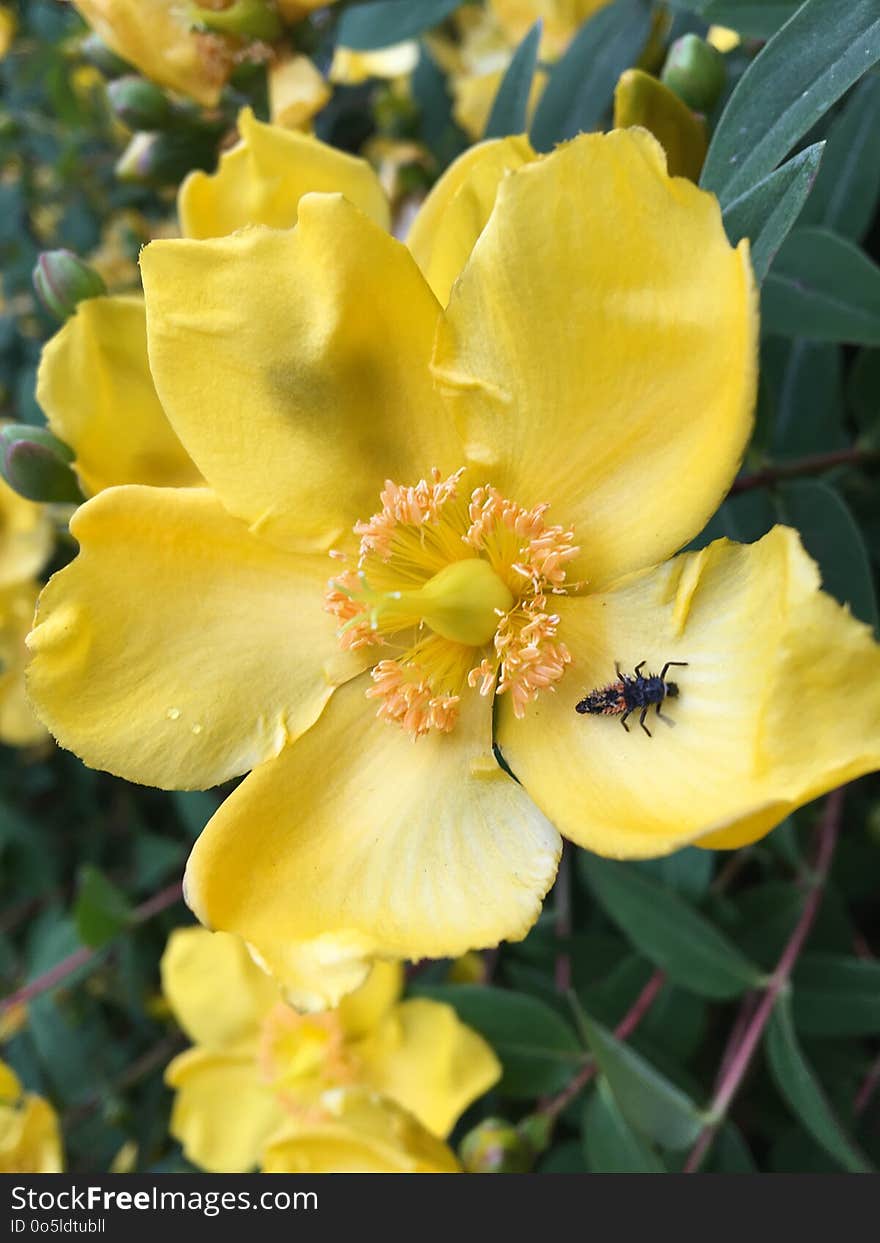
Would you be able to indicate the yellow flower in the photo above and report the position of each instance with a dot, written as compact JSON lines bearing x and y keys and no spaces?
{"x":377,"y":1082}
{"x":30,"y":1141}
{"x":352,"y":67}
{"x":18,"y":725}
{"x":297,"y":91}
{"x":8,"y":25}
{"x":722,"y":38}
{"x":598,"y":358}
{"x":156,"y":37}
{"x":562,"y":19}
{"x":25,"y":537}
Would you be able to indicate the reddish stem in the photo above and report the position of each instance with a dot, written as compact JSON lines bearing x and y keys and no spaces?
{"x":58,"y":974}
{"x":747,"y":1032}
{"x":815,"y":465}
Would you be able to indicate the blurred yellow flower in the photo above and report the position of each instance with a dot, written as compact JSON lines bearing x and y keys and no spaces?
{"x":297,"y":91}
{"x":351,"y":67}
{"x":26,"y":537}
{"x":19,"y":726}
{"x":30,"y":1140}
{"x":374,"y":1084}
{"x":8,"y":26}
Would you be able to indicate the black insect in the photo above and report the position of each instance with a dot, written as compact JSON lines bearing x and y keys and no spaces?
{"x":624,"y":696}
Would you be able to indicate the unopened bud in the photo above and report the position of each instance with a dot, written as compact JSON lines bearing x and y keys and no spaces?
{"x":165,"y":157}
{"x":36,"y":464}
{"x":695,"y":71}
{"x":62,"y":281}
{"x":255,"y":19}
{"x":96,"y":52}
{"x":138,"y":103}
{"x":496,"y":1147}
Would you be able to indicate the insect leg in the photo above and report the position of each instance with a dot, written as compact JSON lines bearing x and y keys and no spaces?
{"x":638,"y":668}
{"x":617,"y":668}
{"x":667,"y":719}
{"x":623,"y":721}
{"x":669,"y":665}
{"x":642,"y":715}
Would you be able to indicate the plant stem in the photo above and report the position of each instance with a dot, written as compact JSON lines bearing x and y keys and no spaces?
{"x":747,"y":1031}
{"x":553,"y":1107}
{"x":56,"y":975}
{"x":815,"y":465}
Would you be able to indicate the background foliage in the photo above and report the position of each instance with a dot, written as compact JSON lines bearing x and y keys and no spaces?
{"x":686,"y":957}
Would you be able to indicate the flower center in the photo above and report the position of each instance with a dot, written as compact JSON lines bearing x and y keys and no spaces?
{"x":301,"y":1055}
{"x":455,"y":589}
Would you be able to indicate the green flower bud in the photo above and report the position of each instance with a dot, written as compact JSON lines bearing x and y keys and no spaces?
{"x":164,"y":158}
{"x":36,"y":464}
{"x":62,"y":280}
{"x":97,"y":53}
{"x":695,"y":71}
{"x":256,"y":19}
{"x":139,"y":104}
{"x":495,"y":1147}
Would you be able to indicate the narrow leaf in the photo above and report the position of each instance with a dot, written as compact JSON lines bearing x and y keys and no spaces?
{"x":653,"y":1106}
{"x":755,"y":19}
{"x":824,"y":288}
{"x":510,"y":109}
{"x":611,"y":1145}
{"x":837,"y":996}
{"x":538,"y":1050}
{"x":669,"y":932}
{"x":582,"y":82}
{"x":384,"y":22}
{"x":845,"y":195}
{"x":768,"y":211}
{"x":801,"y":1089}
{"x":801,"y":72}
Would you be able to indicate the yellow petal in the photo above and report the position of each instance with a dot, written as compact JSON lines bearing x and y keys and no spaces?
{"x":322,"y":971}
{"x":155,"y":37}
{"x":602,"y":354}
{"x":95,"y":386}
{"x":30,"y":1138}
{"x":217,"y":992}
{"x":759,"y":724}
{"x":641,"y":99}
{"x":419,"y":849}
{"x":426,"y":1059}
{"x":353,"y":67}
{"x":561,"y":18}
{"x":454,"y":214}
{"x":223,"y":1112}
{"x":297,"y":92}
{"x":177,"y":649}
{"x":364,"y":1009}
{"x":18,"y":725}
{"x":262,"y":179}
{"x":356,"y":1132}
{"x":25,"y":537}
{"x":294,"y":367}
{"x":723,"y":38}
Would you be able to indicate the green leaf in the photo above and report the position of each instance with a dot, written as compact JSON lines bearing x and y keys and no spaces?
{"x":756,"y":19}
{"x":824,"y":288}
{"x":668,"y":932}
{"x":687,"y":871}
{"x":800,"y":1088}
{"x":537,"y":1049}
{"x":611,"y":1145}
{"x":845,"y":195}
{"x":794,"y":80}
{"x":809,"y":403}
{"x":582,"y":82}
{"x":767,"y":212}
{"x":730,"y":1153}
{"x":833,"y":539}
{"x":653,"y":1106}
{"x":101,"y":911}
{"x":383,"y":22}
{"x":863,"y":392}
{"x":510,"y":109}
{"x":835,"y":995}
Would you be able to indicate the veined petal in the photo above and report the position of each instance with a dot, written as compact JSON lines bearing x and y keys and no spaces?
{"x":306,"y":380}
{"x":95,"y":386}
{"x":217,"y":992}
{"x":153,"y":36}
{"x":427,"y":1060}
{"x":18,"y":725}
{"x":454,"y":214}
{"x":419,"y":849}
{"x":223,"y":1112}
{"x":759,"y":727}
{"x":356,"y":1132}
{"x":263,"y":177}
{"x":600,"y":350}
{"x":177,"y":649}
{"x":25,"y":537}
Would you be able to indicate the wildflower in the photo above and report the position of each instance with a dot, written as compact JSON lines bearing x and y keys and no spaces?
{"x":426,"y":534}
{"x":30,"y":1141}
{"x":265,"y":1085}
